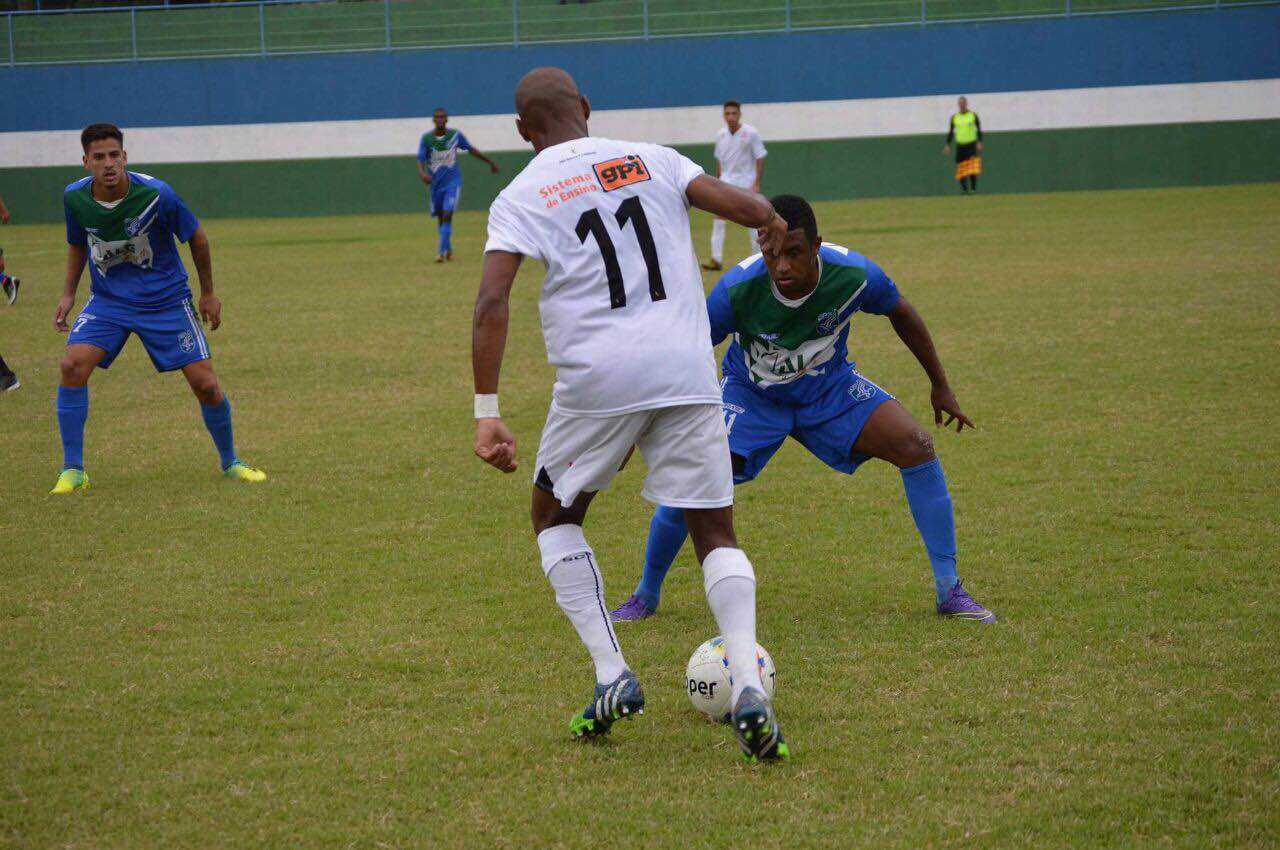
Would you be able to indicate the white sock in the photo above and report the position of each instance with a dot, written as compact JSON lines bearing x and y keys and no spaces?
{"x":731,"y":592}
{"x":717,"y":240}
{"x":571,"y":567}
{"x":753,"y":245}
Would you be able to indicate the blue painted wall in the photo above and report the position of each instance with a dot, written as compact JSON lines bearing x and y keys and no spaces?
{"x":1177,"y":47}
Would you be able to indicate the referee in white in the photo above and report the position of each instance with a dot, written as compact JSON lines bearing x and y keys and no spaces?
{"x":740,"y":157}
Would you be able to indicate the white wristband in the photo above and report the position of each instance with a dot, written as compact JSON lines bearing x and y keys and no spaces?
{"x":487,"y":406}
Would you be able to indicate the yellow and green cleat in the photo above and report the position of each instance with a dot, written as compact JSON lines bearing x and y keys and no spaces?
{"x":69,"y":481}
{"x":243,"y":472}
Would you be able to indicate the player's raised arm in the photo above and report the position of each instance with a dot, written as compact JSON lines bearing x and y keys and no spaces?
{"x":911,"y":329}
{"x":749,"y":209}
{"x":495,"y":444}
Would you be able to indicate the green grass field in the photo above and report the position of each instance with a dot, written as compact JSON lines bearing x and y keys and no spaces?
{"x":364,"y":653}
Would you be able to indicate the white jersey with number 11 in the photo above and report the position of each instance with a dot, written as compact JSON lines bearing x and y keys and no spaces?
{"x":623,"y":312}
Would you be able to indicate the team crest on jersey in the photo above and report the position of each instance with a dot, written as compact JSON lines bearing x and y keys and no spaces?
{"x":862,"y":389}
{"x":828,"y":322}
{"x":623,"y":171}
{"x":187,"y":341}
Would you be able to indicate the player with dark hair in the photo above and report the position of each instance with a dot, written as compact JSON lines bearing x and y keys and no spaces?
{"x":438,"y":168}
{"x":966,"y":131}
{"x":123,"y":224}
{"x":9,"y":287}
{"x":786,"y":374}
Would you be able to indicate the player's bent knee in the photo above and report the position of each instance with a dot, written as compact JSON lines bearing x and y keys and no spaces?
{"x":74,"y":372}
{"x":206,"y":388}
{"x":916,"y":448}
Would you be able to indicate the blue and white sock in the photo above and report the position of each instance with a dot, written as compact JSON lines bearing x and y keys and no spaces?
{"x":217,"y":418}
{"x":73,"y":411}
{"x":446,"y":236}
{"x":667,"y":533}
{"x":935,"y":518}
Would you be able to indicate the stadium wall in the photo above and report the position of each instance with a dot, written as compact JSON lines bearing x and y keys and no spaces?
{"x":1185,"y":98}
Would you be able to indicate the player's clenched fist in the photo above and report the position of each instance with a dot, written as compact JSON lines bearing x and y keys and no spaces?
{"x":495,"y":444}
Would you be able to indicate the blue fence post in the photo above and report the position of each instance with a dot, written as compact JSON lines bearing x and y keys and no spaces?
{"x":13,"y":60}
{"x":787,"y":21}
{"x":1068,"y":8}
{"x":644,"y":13}
{"x":133,"y":31}
{"x":515,"y":23}
{"x":386,"y":20}
{"x":262,"y":28}
{"x":924,"y":11}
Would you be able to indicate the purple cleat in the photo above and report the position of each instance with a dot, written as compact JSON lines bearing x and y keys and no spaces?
{"x":635,"y":608}
{"x":961,"y":606}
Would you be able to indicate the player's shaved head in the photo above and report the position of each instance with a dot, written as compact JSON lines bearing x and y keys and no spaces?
{"x":550,"y":105}
{"x":546,"y":93}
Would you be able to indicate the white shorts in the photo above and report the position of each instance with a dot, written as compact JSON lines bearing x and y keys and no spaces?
{"x":686,"y":449}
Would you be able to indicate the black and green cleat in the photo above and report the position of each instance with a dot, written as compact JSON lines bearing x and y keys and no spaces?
{"x":756,"y":725}
{"x":621,"y":698}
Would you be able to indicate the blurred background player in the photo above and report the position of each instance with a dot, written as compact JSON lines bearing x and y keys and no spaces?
{"x":786,"y":374}
{"x":740,"y":157}
{"x":125,"y":223}
{"x":625,"y":323}
{"x":438,"y":167}
{"x":9,"y":287}
{"x":966,"y":132}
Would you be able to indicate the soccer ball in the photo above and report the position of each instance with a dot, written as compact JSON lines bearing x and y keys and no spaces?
{"x":709,"y":683}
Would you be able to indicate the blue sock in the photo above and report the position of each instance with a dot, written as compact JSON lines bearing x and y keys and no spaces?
{"x":446,"y":232}
{"x":667,"y":531}
{"x":73,"y":411}
{"x":217,"y":418}
{"x":930,"y":503}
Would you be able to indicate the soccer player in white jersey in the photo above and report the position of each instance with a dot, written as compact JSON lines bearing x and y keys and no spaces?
{"x":740,"y":157}
{"x":625,"y":323}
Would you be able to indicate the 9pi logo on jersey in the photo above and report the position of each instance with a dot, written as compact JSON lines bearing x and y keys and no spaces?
{"x":623,"y":171}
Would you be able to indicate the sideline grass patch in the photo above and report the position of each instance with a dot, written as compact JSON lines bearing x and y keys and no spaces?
{"x":364,"y":652}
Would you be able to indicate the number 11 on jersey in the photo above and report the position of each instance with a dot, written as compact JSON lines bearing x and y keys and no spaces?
{"x":592,"y":224}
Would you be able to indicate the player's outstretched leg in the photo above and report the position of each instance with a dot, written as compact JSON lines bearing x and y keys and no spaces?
{"x":730,"y":583}
{"x":570,"y":565}
{"x":667,"y":533}
{"x":892,"y":434}
{"x":215,"y":409}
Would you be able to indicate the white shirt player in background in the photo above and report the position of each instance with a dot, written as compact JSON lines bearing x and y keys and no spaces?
{"x":625,"y":324}
{"x":740,"y":154}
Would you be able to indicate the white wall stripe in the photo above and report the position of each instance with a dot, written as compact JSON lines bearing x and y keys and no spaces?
{"x":796,"y":121}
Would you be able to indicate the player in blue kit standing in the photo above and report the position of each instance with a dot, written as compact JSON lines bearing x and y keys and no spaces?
{"x":438,"y":167}
{"x":123,"y":224}
{"x":786,"y":374}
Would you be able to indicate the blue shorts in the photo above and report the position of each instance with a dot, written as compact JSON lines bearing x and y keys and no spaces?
{"x":444,"y":195}
{"x":172,"y":335}
{"x":828,"y":427}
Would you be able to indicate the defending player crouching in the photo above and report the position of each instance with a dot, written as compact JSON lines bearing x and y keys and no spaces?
{"x":786,"y":375}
